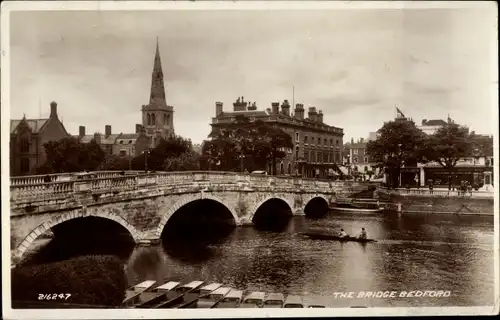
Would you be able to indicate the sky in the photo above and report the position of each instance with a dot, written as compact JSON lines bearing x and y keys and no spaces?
{"x":356,"y":66}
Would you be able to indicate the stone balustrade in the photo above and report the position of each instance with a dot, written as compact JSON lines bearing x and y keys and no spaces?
{"x":33,"y":188}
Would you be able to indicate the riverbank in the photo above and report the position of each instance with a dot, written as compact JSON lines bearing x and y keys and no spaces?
{"x":437,"y":203}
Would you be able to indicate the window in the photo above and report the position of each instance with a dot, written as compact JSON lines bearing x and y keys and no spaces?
{"x":306,"y":155}
{"x":25,"y":165}
{"x":355,"y":151}
{"x":305,"y":139}
{"x":366,"y":159}
{"x":313,"y":156}
{"x":165,"y":119}
{"x":312,"y":140}
{"x":325,"y":157}
{"x":297,"y":153}
{"x":121,"y":141}
{"x":337,"y":142}
{"x":355,"y":159}
{"x":153,"y":119}
{"x":289,"y":168}
{"x":318,"y":156}
{"x":282,"y":168}
{"x":25,"y":145}
{"x":297,"y":136}
{"x":325,"y":142}
{"x":366,"y":168}
{"x":149,"y":119}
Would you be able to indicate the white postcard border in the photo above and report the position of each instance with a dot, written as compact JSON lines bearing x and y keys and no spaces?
{"x":10,"y":313}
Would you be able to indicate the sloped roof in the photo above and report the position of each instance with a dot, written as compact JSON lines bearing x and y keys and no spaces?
{"x":35,"y":124}
{"x":434,"y":122}
{"x":127,"y":138}
{"x":256,"y":113}
{"x":104,"y":140}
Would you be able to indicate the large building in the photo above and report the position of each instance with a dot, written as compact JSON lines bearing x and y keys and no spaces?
{"x":358,"y":160}
{"x":478,"y":167}
{"x":317,"y":147}
{"x":27,"y":137}
{"x":157,"y":121}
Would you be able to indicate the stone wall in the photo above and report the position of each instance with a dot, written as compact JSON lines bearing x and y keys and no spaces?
{"x":440,"y":204}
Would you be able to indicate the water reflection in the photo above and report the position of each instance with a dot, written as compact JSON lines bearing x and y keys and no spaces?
{"x":420,"y":252}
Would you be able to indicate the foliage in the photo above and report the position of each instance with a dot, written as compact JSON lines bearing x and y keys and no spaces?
{"x":93,"y":280}
{"x":187,"y":161}
{"x":246,"y":146}
{"x":398,"y":143}
{"x":172,"y":147}
{"x":482,"y":146}
{"x":116,"y":162}
{"x":70,"y":155}
{"x":449,"y":144}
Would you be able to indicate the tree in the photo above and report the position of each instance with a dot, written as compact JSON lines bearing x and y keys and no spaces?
{"x":70,"y":155}
{"x":171,"y":147}
{"x":186,"y":161}
{"x":246,"y":145}
{"x":116,"y":162}
{"x":448,"y":145}
{"x":398,"y":143}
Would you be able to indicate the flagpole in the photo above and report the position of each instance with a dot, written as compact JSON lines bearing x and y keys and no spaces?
{"x":293,"y":97}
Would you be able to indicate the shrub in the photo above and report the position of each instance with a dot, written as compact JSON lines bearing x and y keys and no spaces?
{"x":92,"y":280}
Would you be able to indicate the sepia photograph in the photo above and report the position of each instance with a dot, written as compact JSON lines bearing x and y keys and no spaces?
{"x":194,"y":159}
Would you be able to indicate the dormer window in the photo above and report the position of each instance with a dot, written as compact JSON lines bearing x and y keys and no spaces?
{"x":130,"y":141}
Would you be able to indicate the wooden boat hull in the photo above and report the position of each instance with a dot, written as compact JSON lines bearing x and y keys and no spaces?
{"x":319,"y":236}
{"x":356,"y":210}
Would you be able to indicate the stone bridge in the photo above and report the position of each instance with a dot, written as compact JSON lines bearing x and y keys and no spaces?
{"x":143,"y":203}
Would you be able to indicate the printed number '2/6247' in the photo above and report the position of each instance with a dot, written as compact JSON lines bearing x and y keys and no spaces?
{"x":54,"y":296}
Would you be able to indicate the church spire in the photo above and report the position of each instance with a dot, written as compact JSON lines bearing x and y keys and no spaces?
{"x":157,"y":97}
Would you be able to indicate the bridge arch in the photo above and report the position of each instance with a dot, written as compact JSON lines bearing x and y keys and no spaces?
{"x":40,"y":229}
{"x":316,"y":205}
{"x":186,"y":200}
{"x":256,"y":207}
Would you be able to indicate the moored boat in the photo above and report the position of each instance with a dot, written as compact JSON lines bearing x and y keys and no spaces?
{"x":293,"y":301}
{"x":231,"y":300}
{"x":274,"y":300}
{"x":190,"y":300}
{"x":253,"y":300}
{"x":157,"y":295}
{"x":211,"y":299}
{"x":179,"y":293}
{"x":325,"y":236}
{"x":132,"y":293}
{"x":316,"y":306}
{"x":352,"y":207}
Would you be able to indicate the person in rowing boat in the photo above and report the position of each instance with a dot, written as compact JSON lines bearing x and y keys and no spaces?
{"x":362,"y":234}
{"x":343,"y":234}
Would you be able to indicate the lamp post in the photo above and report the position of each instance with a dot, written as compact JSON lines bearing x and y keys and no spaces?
{"x":242,"y":157}
{"x":146,"y":153}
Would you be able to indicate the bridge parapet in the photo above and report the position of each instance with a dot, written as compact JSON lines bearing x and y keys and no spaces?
{"x":39,"y":190}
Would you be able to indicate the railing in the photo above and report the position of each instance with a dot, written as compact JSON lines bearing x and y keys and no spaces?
{"x":437,"y":193}
{"x":112,"y":181}
{"x":58,"y":177}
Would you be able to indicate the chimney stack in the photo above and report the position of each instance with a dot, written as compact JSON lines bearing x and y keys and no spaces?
{"x":97,"y":137}
{"x":240,"y":104}
{"x":275,"y":107}
{"x":268,"y":110}
{"x":285,"y":108}
{"x":312,"y":114}
{"x":299,"y":111}
{"x":53,"y":109}
{"x":107,"y":130}
{"x":252,"y":107}
{"x":81,"y":131}
{"x":218,"y":108}
{"x":320,"y":116}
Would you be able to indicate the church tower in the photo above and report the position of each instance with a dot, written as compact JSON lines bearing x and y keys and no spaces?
{"x":157,"y":116}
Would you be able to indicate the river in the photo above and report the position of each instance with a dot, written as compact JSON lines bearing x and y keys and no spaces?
{"x":413,"y":252}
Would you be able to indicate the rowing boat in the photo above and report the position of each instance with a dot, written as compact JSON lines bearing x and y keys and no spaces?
{"x":157,"y":295}
{"x":132,"y":293}
{"x":181,"y":292}
{"x":190,"y":302}
{"x":324,"y":236}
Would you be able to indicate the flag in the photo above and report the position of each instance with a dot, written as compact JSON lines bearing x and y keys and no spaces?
{"x":399,"y":113}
